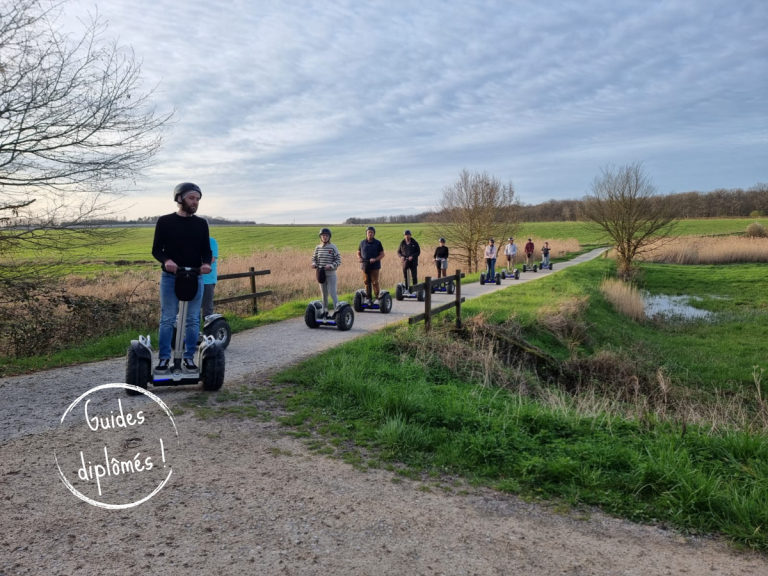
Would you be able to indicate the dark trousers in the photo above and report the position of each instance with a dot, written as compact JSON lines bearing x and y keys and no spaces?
{"x":207,"y":307}
{"x":413,"y":266}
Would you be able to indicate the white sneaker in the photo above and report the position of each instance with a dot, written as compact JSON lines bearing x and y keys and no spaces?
{"x":368,"y":302}
{"x":376,"y":302}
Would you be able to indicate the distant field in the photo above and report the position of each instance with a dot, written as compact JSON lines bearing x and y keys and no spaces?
{"x":136,"y":243}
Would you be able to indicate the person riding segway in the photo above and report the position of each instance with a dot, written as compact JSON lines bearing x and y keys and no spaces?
{"x":441,"y":263}
{"x":370,"y":253}
{"x":545,"y":263}
{"x":529,"y":248}
{"x":213,"y":324}
{"x":409,"y":251}
{"x":510,"y":251}
{"x":182,"y":246}
{"x":490,"y":275}
{"x":325,"y":260}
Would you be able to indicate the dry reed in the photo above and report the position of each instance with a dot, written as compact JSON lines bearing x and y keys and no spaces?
{"x":710,"y":250}
{"x":624,"y":297}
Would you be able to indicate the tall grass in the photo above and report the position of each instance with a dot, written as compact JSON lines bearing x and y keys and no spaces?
{"x":624,"y":297}
{"x":709,"y":250}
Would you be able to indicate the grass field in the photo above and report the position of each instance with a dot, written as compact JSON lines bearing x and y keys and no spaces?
{"x":630,"y":457}
{"x":136,"y":243}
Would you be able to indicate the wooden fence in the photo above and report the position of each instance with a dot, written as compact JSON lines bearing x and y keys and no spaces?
{"x":252,"y":273}
{"x":427,"y":285}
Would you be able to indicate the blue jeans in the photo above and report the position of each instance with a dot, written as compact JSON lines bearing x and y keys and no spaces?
{"x":169,"y":309}
{"x":491,"y":267}
{"x":546,"y":260}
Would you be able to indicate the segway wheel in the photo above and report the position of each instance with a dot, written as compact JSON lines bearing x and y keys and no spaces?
{"x":358,"y":304}
{"x":450,"y":288}
{"x":551,"y":267}
{"x":535,"y":269}
{"x":482,"y":278}
{"x":309,"y":316}
{"x":503,"y":274}
{"x":138,"y":371}
{"x":525,"y":268}
{"x":498,"y":279}
{"x":220,"y":330}
{"x":399,"y":292}
{"x":421,"y":296}
{"x":385,"y":304}
{"x":213,"y":371}
{"x":517,"y":274}
{"x":345,"y":318}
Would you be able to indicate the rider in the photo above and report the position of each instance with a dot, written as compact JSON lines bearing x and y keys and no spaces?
{"x":490,"y":258}
{"x":545,"y":254}
{"x":510,"y":250}
{"x":529,"y":252}
{"x":181,"y":240}
{"x":209,"y":280}
{"x":409,"y":251}
{"x":370,"y":253}
{"x":326,"y":259}
{"x":441,"y":259}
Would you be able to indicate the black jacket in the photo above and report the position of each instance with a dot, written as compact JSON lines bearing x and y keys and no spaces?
{"x":409,"y":249}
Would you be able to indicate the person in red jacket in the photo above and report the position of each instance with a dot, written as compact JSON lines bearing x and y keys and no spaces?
{"x":529,"y":252}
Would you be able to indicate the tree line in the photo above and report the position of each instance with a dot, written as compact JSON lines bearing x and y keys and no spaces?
{"x":719,"y":203}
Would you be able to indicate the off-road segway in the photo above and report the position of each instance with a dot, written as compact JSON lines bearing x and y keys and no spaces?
{"x":403,"y":289}
{"x":364,"y":297}
{"x":486,"y":278}
{"x":210,"y":360}
{"x":543,"y":266}
{"x":447,"y":286}
{"x":527,"y":268}
{"x":217,"y":326}
{"x":515,"y":273}
{"x":342,"y":316}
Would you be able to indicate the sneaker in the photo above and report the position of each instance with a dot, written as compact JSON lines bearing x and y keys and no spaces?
{"x":163,"y":365}
{"x":188,"y":365}
{"x":376,"y":302}
{"x":368,"y":302}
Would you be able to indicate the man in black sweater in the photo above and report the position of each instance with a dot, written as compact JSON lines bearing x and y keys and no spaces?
{"x":181,"y":240}
{"x":409,"y":251}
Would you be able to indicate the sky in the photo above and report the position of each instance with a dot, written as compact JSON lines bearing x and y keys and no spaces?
{"x":315,"y":111}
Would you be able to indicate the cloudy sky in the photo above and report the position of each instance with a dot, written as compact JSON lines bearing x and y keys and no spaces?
{"x":315,"y":111}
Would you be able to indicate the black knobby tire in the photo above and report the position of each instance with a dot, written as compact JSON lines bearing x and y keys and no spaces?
{"x":551,"y":267}
{"x":309,"y":316}
{"x":398,"y":292}
{"x":498,"y":279}
{"x":213,"y":371}
{"x":138,"y":371}
{"x":220,"y":330}
{"x":535,"y":269}
{"x":482,"y":278}
{"x":358,"y":304}
{"x":421,"y":296}
{"x":385,"y":304}
{"x":503,"y":274}
{"x":517,"y":274}
{"x":345,"y":318}
{"x":450,"y":287}
{"x":525,"y":268}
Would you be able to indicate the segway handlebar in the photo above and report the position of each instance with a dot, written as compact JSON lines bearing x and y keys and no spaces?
{"x":185,"y":269}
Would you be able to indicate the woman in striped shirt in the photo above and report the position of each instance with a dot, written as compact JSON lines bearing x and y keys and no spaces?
{"x":326,"y":260}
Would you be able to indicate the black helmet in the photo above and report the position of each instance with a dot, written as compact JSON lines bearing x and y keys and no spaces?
{"x":442,"y":239}
{"x":325,"y":231}
{"x":407,"y":233}
{"x":184,"y":187}
{"x":371,"y":228}
{"x":490,"y":239}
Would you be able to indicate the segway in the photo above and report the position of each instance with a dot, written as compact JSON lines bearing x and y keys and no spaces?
{"x":217,"y":326}
{"x":486,"y":278}
{"x":364,"y":297}
{"x":210,"y":360}
{"x":543,"y":266}
{"x":403,"y":290}
{"x":514,"y":274}
{"x":449,"y":287}
{"x":527,"y":268}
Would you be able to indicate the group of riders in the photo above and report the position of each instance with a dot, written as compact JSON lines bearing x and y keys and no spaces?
{"x":182,"y":240}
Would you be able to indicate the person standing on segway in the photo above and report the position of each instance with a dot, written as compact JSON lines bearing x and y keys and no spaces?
{"x":529,"y":253}
{"x":510,"y":251}
{"x":545,"y":254}
{"x":370,"y":253}
{"x":181,"y":240}
{"x":209,"y":280}
{"x":490,"y":258}
{"x":441,"y":259}
{"x":326,"y":259}
{"x":409,"y":251}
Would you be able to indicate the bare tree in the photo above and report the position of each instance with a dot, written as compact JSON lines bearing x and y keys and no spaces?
{"x":472,"y":209}
{"x":625,"y":206}
{"x":75,"y":130}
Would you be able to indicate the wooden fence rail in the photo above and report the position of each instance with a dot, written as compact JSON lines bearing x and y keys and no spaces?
{"x":427,"y":286}
{"x":252,"y":273}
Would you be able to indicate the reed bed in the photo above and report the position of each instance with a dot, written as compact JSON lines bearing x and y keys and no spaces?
{"x":710,"y":250}
{"x":624,"y":297}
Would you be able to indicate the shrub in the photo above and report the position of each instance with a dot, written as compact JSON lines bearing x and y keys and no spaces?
{"x":756,"y":230}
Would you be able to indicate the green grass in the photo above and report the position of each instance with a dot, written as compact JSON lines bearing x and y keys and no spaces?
{"x":377,"y":393}
{"x":135,"y":244}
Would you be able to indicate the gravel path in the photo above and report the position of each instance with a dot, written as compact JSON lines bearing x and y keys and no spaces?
{"x":248,"y":499}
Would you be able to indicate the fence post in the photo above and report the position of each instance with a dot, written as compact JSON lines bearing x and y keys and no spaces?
{"x":253,"y":290}
{"x":458,"y":299}
{"x":428,"y":304}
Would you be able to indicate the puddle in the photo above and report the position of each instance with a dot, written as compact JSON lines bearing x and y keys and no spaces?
{"x":673,"y":307}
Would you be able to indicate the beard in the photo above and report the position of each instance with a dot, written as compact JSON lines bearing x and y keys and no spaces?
{"x":187,"y":208}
